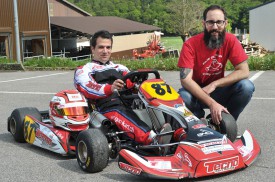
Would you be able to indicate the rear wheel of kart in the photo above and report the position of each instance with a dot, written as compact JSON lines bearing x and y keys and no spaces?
{"x":16,"y":121}
{"x":92,"y":151}
{"x":227,"y":126}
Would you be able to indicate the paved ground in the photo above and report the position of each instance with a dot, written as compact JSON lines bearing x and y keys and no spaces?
{"x":24,"y":162}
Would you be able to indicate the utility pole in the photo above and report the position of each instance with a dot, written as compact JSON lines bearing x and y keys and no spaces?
{"x":16,"y":28}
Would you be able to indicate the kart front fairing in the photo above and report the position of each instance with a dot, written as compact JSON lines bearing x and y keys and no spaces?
{"x":194,"y":159}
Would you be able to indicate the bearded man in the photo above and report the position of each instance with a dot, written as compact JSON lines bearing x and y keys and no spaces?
{"x":202,"y":65}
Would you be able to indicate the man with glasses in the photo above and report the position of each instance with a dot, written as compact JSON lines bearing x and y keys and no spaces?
{"x":202,"y":66}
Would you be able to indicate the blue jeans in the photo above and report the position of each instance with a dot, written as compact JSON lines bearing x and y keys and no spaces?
{"x":234,"y":97}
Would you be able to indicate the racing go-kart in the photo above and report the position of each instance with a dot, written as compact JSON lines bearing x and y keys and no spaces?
{"x":205,"y":149}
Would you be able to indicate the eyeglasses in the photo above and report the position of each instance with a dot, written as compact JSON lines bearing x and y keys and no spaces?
{"x":211,"y":23}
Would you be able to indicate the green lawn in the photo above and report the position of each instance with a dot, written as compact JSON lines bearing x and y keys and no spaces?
{"x":172,"y":42}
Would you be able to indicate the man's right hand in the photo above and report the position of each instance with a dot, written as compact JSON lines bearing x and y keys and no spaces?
{"x":117,"y":85}
{"x":216,"y":112}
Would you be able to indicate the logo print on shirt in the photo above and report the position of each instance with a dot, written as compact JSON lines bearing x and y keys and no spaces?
{"x":215,"y":67}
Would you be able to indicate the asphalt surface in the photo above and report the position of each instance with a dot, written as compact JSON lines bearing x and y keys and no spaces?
{"x":24,"y":162}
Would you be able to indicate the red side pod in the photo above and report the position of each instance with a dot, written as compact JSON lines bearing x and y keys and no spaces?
{"x":63,"y":136}
{"x":248,"y":147}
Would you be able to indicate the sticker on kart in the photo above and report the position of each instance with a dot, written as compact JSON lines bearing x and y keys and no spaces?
{"x":160,"y":90}
{"x":30,"y":127}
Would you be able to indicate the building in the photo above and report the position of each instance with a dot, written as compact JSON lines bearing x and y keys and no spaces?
{"x":128,"y":35}
{"x":53,"y":27}
{"x":34,"y":29}
{"x":261,"y":26}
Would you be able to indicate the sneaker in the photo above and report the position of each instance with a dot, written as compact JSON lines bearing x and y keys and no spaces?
{"x":152,"y":138}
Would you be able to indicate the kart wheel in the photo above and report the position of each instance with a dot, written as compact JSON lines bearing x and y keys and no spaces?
{"x":92,"y":151}
{"x":16,"y":121}
{"x":227,"y":126}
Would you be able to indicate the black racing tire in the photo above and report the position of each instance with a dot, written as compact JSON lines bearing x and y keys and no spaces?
{"x":92,"y":150}
{"x":16,"y":121}
{"x":227,"y":126}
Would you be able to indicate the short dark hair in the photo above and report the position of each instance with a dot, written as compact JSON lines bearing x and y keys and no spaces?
{"x":103,"y":34}
{"x":214,"y":7}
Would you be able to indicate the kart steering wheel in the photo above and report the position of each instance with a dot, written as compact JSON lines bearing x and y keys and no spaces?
{"x":139,"y":76}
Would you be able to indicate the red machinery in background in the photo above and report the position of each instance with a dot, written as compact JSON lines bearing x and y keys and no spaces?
{"x":154,"y":47}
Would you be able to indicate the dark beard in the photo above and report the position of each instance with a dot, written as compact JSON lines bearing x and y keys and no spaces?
{"x":211,"y":41}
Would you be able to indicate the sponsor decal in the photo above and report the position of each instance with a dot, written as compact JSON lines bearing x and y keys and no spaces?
{"x":211,"y":143}
{"x":204,"y":132}
{"x":130,"y":169}
{"x":93,"y":86}
{"x":198,"y":126}
{"x":59,"y":134}
{"x":217,"y":148}
{"x":178,"y":105}
{"x":184,"y":158}
{"x":222,"y":165}
{"x":190,"y":119}
{"x":123,"y":124}
{"x":74,"y":97}
{"x":56,"y":99}
{"x":187,"y":112}
{"x":160,"y":164}
{"x":43,"y":137}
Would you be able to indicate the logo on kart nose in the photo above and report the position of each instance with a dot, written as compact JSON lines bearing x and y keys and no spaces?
{"x":129,"y":168}
{"x":219,"y":166}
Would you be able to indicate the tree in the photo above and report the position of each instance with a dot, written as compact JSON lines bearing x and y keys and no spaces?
{"x":186,"y":17}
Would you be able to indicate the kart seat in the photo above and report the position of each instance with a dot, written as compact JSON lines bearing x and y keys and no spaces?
{"x":157,"y":119}
{"x":144,"y":116}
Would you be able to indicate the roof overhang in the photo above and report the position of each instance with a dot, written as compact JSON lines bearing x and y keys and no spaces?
{"x":87,"y":26}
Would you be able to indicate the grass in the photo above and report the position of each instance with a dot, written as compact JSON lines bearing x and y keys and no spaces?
{"x":255,"y":63}
{"x":166,"y":64}
{"x":172,"y":42}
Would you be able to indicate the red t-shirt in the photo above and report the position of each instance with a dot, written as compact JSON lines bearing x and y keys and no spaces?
{"x":209,"y":64}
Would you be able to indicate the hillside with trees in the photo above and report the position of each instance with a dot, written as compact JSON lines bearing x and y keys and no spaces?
{"x":175,"y":17}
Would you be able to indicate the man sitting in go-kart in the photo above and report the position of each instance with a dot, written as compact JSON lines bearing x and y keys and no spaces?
{"x":98,"y":82}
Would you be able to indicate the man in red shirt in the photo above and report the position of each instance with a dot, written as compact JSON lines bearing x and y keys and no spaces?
{"x":202,"y":61}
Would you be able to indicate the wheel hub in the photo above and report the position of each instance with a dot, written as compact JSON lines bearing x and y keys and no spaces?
{"x":12,"y":126}
{"x":82,"y":151}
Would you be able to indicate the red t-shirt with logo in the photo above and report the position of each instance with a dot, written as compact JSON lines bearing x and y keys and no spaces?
{"x":209,"y":64}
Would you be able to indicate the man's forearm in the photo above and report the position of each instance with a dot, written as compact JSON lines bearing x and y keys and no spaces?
{"x":241,"y":72}
{"x":196,"y":91}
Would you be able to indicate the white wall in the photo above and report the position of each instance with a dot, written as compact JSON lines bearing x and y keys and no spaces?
{"x":127,"y":42}
{"x":262,"y":26}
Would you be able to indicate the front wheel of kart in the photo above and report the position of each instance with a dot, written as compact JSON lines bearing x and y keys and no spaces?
{"x":227,"y":126}
{"x":16,"y":121}
{"x":92,"y":150}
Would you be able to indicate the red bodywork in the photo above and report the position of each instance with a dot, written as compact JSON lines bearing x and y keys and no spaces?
{"x":190,"y":160}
